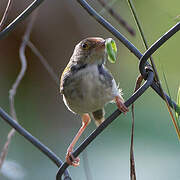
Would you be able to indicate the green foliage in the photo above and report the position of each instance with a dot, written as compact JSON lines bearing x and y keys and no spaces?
{"x":178,"y":103}
{"x":111,"y":50}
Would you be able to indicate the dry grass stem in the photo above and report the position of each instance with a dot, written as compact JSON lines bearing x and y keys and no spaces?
{"x":16,"y":84}
{"x":117,"y":17}
{"x":132,"y":162}
{"x":44,"y":62}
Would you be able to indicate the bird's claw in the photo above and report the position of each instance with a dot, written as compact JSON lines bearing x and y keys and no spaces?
{"x":71,"y":160}
{"x":120,"y":104}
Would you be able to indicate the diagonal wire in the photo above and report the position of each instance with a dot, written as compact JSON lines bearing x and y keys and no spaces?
{"x":148,"y":53}
{"x":44,"y":149}
{"x":111,"y":118}
{"x":153,"y":64}
{"x":109,"y":27}
{"x":142,"y":69}
{"x":13,"y":90}
{"x":143,"y":63}
{"x":21,"y":130}
{"x":5,"y":15}
{"x":129,"y":45}
{"x":20,"y":18}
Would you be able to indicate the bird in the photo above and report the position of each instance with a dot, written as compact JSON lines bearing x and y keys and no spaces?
{"x":87,"y":86}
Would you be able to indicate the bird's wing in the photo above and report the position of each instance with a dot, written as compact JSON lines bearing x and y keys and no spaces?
{"x":64,"y":76}
{"x":71,"y":69}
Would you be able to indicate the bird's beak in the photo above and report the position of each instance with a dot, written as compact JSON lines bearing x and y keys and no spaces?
{"x":100,"y":44}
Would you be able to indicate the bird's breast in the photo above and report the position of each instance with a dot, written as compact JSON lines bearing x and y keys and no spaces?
{"x":89,"y":89}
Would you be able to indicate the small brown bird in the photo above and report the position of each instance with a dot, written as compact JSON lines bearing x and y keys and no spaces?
{"x":86,"y":86}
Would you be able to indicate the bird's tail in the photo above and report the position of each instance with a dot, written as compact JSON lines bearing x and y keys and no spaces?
{"x":98,"y":116}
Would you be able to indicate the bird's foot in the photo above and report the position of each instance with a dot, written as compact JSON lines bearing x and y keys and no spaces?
{"x":120,"y":104}
{"x":70,"y":159}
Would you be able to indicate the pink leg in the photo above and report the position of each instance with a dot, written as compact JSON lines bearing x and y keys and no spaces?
{"x":69,"y":158}
{"x":120,"y":104}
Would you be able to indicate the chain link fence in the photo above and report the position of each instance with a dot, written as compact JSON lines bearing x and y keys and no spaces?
{"x":144,"y":68}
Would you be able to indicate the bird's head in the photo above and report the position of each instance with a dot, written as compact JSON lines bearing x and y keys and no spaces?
{"x":90,"y":51}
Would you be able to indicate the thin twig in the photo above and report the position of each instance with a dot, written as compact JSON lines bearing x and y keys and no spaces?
{"x":5,"y":147}
{"x":20,"y":18}
{"x":117,"y":17}
{"x":153,"y":65}
{"x":44,"y":62}
{"x":5,"y":15}
{"x":22,"y":131}
{"x":111,"y":3}
{"x":17,"y":82}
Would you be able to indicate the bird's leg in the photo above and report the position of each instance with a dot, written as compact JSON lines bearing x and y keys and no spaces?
{"x":69,"y":157}
{"x":120,"y":104}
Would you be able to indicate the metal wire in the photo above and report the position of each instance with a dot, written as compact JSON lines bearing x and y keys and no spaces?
{"x":20,"y":18}
{"x":44,"y":149}
{"x":155,"y":46}
{"x":149,"y":52}
{"x":110,"y":28}
{"x":127,"y":43}
{"x":143,"y":58}
{"x":143,"y":63}
{"x":111,"y":118}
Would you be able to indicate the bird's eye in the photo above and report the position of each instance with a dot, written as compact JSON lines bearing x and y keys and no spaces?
{"x":85,"y":46}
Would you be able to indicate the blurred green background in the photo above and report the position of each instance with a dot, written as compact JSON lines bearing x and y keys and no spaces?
{"x":40,"y":109}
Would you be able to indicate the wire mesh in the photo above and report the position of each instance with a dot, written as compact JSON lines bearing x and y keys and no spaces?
{"x":144,"y":69}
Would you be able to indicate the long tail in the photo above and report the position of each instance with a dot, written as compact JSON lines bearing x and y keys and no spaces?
{"x":98,"y":116}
